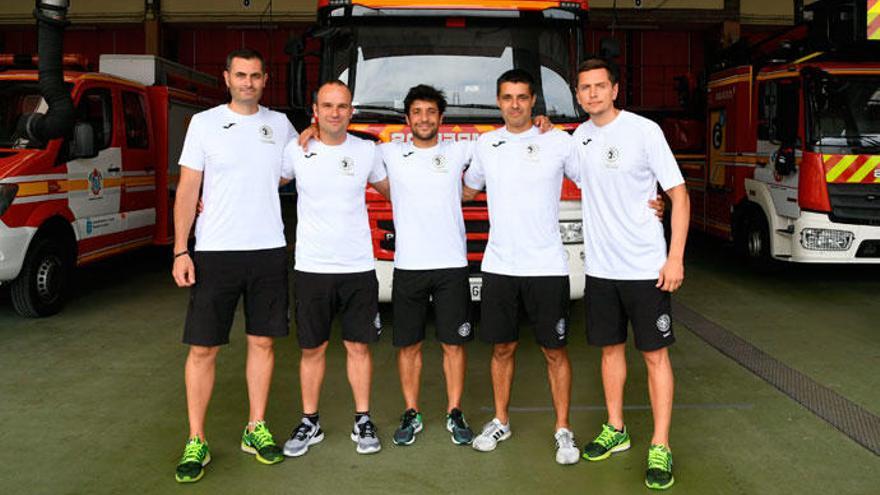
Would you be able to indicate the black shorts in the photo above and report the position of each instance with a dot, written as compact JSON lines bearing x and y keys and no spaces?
{"x":611,"y":304}
{"x":223,"y":276}
{"x":545,"y":300}
{"x":448,"y":288}
{"x":319,"y":296}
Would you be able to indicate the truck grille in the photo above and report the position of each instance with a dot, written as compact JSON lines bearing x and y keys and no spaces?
{"x":855,"y":203}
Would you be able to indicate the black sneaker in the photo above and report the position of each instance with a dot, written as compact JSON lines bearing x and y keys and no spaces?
{"x":456,"y":424}
{"x":410,"y":424}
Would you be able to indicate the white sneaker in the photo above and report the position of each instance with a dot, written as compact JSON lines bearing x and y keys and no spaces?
{"x":493,"y":432}
{"x":566,"y":448}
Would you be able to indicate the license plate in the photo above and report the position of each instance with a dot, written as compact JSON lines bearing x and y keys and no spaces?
{"x":476,"y":288}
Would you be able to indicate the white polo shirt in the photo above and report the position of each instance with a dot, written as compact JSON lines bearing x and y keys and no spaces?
{"x":240,"y":158}
{"x":621,"y":164}
{"x":425,"y":184}
{"x":522,"y":174}
{"x":332,"y":231}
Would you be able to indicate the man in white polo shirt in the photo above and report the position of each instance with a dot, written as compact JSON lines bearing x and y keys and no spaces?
{"x":524,"y":262}
{"x":629,"y":273}
{"x":233,"y":152}
{"x":334,"y":269}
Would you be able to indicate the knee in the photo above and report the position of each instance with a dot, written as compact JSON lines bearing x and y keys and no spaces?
{"x":314,"y":353}
{"x":504,"y":352}
{"x":556,"y":357}
{"x":656,"y":359}
{"x":202,"y":354}
{"x":261,"y":344}
{"x":617,"y":351}
{"x":411,"y":351}
{"x":357,"y":350}
{"x":453,"y":351}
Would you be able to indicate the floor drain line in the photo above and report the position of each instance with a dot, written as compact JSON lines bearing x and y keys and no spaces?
{"x":851,"y":419}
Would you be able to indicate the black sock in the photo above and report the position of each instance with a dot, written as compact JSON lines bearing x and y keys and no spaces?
{"x":359,"y":415}
{"x":313,"y":418}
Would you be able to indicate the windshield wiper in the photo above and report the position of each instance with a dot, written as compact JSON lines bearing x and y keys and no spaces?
{"x":379,"y":108}
{"x":472,"y":105}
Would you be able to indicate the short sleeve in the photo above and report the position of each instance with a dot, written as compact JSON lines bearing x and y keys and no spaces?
{"x":377,"y":172}
{"x":475,"y":175}
{"x":193,"y":153}
{"x":661,"y":160}
{"x":288,"y":159}
{"x":290,"y":131}
{"x":571,"y":160}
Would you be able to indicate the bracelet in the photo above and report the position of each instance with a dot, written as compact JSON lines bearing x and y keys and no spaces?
{"x":178,"y":255}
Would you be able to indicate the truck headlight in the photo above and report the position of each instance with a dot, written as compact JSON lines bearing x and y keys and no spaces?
{"x":7,"y":194}
{"x":571,"y":232}
{"x":826,"y":239}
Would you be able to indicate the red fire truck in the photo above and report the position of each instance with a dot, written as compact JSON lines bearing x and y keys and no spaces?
{"x":70,"y":201}
{"x":381,"y":48}
{"x":793,"y":131}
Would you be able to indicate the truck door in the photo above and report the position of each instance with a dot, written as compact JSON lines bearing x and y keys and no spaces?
{"x":778,"y":128}
{"x":138,"y":206}
{"x":717,"y":190}
{"x":94,"y":184}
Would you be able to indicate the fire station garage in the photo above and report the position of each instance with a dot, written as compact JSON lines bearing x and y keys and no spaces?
{"x":770,"y":112}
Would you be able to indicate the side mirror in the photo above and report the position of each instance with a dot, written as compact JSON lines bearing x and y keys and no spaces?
{"x":784,"y":162}
{"x":82,"y":144}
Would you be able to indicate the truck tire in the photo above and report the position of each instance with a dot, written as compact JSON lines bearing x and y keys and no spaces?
{"x":753,"y":238}
{"x":41,"y":287}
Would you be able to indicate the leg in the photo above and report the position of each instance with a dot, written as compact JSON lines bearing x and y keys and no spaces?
{"x":359,"y":364}
{"x":454,"y":366}
{"x":312,"y":366}
{"x":199,"y":378}
{"x":502,"y":377}
{"x":613,"y":380}
{"x":260,"y":363}
{"x":409,"y":364}
{"x":559,"y":375}
{"x":660,"y":388}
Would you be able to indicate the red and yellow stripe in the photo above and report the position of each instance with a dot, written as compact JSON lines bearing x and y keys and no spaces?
{"x":57,"y":186}
{"x":873,"y":26}
{"x":862,"y":169}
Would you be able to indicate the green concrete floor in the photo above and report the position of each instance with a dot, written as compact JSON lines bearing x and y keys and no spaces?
{"x":92,"y":400}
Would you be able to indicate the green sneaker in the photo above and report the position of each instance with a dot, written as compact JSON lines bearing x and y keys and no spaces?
{"x":410,"y":424}
{"x":610,"y":441}
{"x":261,"y":443}
{"x":192,"y":463}
{"x":659,"y":474}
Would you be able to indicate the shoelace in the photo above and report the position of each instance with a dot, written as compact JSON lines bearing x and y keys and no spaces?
{"x":658,"y":459}
{"x":566,"y":440}
{"x":192,"y":452}
{"x":302,"y":431}
{"x":262,"y":437}
{"x":493,"y":430}
{"x":407,"y":420}
{"x":606,"y":438}
{"x":458,"y":420}
{"x":367,"y":429}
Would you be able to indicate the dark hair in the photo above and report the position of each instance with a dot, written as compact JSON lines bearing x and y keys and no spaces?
{"x":516,"y":76}
{"x":594,"y":63}
{"x":423,"y":92}
{"x":247,"y":54}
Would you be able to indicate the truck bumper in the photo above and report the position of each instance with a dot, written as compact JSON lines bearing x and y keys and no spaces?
{"x":866,"y":237}
{"x":13,"y":248}
{"x":574,"y":254}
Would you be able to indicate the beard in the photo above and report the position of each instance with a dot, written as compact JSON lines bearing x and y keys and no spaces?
{"x":427,"y":135}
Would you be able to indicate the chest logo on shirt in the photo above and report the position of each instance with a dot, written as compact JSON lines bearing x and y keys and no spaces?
{"x":266,"y":134}
{"x":439,"y":163}
{"x":227,"y":126}
{"x":409,"y":154}
{"x":612,"y":155}
{"x":532,"y":151}
{"x":588,"y":141}
{"x":346,"y":166}
{"x":310,"y":155}
{"x":499,"y":143}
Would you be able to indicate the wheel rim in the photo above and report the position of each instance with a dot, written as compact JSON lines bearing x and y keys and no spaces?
{"x":755,"y":243}
{"x":49,"y":278}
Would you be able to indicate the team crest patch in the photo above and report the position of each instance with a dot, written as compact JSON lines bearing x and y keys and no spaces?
{"x":664,"y":323}
{"x":96,"y":182}
{"x":612,"y":154}
{"x":464,"y":330}
{"x":266,"y":133}
{"x":560,"y":328}
{"x":346,"y":166}
{"x":439,"y":163}
{"x":532,"y":151}
{"x":377,"y":321}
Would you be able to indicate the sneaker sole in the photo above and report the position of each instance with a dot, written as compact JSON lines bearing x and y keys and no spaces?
{"x":354,"y":438}
{"x":411,"y":440}
{"x":615,"y":450}
{"x":500,"y":439}
{"x":197,"y":478}
{"x":661,"y":487}
{"x":247,"y":449}
{"x":312,"y":441}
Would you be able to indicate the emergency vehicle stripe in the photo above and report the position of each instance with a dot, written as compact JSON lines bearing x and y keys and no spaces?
{"x":873,"y":20}
{"x":843,"y":164}
{"x":870,"y":164}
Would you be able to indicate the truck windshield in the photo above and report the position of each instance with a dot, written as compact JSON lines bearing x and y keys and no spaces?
{"x":16,"y":99}
{"x":463,"y":62}
{"x":846,"y":115}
